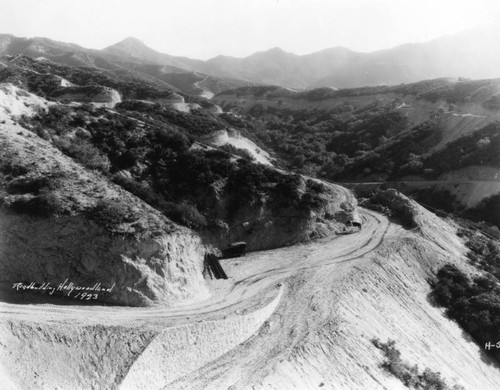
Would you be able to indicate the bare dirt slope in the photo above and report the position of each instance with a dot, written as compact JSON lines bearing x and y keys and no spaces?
{"x":336,"y":295}
{"x":233,"y":137}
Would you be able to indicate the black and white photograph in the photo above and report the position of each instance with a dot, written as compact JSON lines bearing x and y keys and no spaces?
{"x":249,"y":195}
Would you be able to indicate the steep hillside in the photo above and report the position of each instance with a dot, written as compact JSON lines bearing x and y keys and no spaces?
{"x":434,"y":130}
{"x":322,"y":335}
{"x":60,"y":222}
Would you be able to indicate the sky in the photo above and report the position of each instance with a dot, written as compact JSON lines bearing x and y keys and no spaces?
{"x":206,"y":28}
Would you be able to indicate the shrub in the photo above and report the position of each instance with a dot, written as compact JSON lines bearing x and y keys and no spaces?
{"x":184,"y":214}
{"x":84,"y":152}
{"x":408,"y":374}
{"x":140,"y":190}
{"x":13,"y":166}
{"x":109,"y":213}
{"x":45,"y":204}
{"x":474,"y":304}
{"x":395,"y":205}
{"x":57,"y":118}
{"x":28,"y":184}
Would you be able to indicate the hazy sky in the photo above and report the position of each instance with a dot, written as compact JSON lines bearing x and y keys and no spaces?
{"x":206,"y":28}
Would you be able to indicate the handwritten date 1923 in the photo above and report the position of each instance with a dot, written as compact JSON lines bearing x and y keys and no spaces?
{"x":83,"y":296}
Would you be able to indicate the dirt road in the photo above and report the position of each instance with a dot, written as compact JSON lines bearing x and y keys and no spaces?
{"x":250,"y":277}
{"x":294,"y":273}
{"x":309,"y":274}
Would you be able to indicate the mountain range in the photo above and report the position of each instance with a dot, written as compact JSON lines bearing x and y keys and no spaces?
{"x":469,"y":54}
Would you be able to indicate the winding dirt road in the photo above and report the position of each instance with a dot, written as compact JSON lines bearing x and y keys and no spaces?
{"x":251,"y":278}
{"x":304,"y":276}
{"x":309,"y":274}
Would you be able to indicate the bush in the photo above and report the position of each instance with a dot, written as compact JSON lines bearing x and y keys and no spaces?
{"x":110,"y":213}
{"x":57,"y":118}
{"x":13,"y":166}
{"x":28,"y":184}
{"x":84,"y":152}
{"x":140,"y":190}
{"x":408,"y":374}
{"x":45,"y":204}
{"x":474,"y":304}
{"x":185,"y":214}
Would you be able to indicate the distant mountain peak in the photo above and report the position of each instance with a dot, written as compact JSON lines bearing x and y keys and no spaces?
{"x":133,"y":47}
{"x":131,"y":41}
{"x":277,"y":51}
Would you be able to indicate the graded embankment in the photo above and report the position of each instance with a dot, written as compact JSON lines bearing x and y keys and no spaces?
{"x":321,"y":336}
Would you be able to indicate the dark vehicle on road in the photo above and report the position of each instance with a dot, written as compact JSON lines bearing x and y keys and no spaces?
{"x":235,"y":249}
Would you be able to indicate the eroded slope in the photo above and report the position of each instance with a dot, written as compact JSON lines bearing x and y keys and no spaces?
{"x":60,"y":221}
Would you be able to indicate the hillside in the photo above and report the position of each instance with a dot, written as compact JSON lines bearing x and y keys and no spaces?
{"x":62,"y":222}
{"x":322,"y":335}
{"x":442,"y":131}
{"x":449,"y":56}
{"x":137,"y":138}
{"x":130,"y":57}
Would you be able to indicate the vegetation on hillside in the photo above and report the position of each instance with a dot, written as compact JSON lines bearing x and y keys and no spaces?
{"x":372,"y":140}
{"x":26,"y":193}
{"x":146,"y":149}
{"x":484,"y":251}
{"x":487,"y":210}
{"x":344,"y":143}
{"x":411,"y":376}
{"x":39,"y":78}
{"x":479,"y":148}
{"x":473,"y":303}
